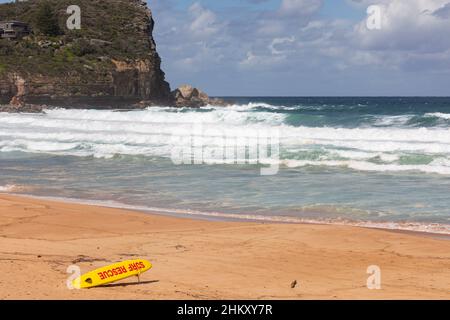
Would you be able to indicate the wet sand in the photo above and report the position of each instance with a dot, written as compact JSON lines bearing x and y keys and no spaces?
{"x":195,"y":259}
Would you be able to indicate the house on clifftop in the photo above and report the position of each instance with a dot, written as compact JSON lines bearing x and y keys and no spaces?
{"x":13,"y":30}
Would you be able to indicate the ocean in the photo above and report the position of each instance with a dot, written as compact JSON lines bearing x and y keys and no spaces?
{"x":377,"y":162}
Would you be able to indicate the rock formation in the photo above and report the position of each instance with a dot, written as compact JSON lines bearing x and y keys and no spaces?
{"x":111,"y":62}
{"x":188,"y":96}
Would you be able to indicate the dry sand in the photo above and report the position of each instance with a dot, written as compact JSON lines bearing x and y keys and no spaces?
{"x":196,"y":259}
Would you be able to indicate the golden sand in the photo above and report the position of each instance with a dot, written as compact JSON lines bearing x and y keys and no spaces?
{"x":196,"y":259}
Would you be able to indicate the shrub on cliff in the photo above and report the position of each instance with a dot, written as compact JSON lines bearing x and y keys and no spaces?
{"x":46,"y":20}
{"x":6,"y":48}
{"x":82,"y":47}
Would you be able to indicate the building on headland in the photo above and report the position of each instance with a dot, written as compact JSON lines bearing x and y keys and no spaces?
{"x":13,"y":30}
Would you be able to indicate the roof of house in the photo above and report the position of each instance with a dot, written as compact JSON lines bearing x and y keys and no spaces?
{"x":14,"y":22}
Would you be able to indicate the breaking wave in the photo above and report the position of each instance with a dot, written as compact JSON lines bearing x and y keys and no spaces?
{"x":379,"y":143}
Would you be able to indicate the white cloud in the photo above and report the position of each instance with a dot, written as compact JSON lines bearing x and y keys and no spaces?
{"x":261,"y":61}
{"x":204,"y":23}
{"x":300,"y":7}
{"x":412,"y":37}
{"x":270,"y":27}
{"x":407,"y":25}
{"x":278,"y":45}
{"x":443,"y":12}
{"x":292,"y":40}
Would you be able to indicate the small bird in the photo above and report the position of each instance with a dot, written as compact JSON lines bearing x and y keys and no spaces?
{"x":293,"y":284}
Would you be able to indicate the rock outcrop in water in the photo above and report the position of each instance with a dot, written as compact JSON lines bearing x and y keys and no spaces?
{"x":188,"y":96}
{"x":110,"y":62}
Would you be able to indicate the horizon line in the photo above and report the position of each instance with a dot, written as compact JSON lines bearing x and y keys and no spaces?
{"x":326,"y":96}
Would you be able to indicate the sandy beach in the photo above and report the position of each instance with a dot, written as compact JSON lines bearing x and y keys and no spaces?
{"x":196,"y":259}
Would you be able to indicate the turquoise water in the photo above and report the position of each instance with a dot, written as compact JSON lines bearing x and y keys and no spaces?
{"x":368,"y":161}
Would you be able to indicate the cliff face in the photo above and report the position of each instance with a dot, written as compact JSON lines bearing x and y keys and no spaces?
{"x":111,"y":61}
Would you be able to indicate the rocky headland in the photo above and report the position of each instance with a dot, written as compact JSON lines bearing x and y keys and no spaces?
{"x":111,"y":62}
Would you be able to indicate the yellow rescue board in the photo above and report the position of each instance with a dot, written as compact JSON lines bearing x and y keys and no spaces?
{"x":112,"y":273}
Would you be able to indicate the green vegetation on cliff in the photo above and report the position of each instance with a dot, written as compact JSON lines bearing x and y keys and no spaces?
{"x":112,"y":55}
{"x":46,"y":20}
{"x":112,"y":28}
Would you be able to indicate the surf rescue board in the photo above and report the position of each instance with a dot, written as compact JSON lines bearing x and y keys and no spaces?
{"x":112,"y":273}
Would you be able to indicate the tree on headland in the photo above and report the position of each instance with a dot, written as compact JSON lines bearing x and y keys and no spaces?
{"x":46,"y":20}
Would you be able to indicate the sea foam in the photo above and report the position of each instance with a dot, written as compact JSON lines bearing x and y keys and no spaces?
{"x":156,"y":131}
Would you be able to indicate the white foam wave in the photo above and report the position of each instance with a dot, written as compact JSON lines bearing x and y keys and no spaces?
{"x":441,"y":115}
{"x":155,"y":131}
{"x":436,"y":168}
{"x":361,"y":155}
{"x":237,"y":114}
{"x":385,"y":121}
{"x":10,"y":188}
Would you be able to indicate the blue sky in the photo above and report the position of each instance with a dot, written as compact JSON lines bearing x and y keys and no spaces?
{"x":305,"y":47}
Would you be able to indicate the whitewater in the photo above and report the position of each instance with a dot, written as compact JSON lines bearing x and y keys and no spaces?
{"x":389,"y":143}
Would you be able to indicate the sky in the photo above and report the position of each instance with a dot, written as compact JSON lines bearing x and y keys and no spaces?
{"x":305,"y":47}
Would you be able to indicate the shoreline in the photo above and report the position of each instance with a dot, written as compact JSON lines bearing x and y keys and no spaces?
{"x":435,"y":228}
{"x":199,"y":259}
